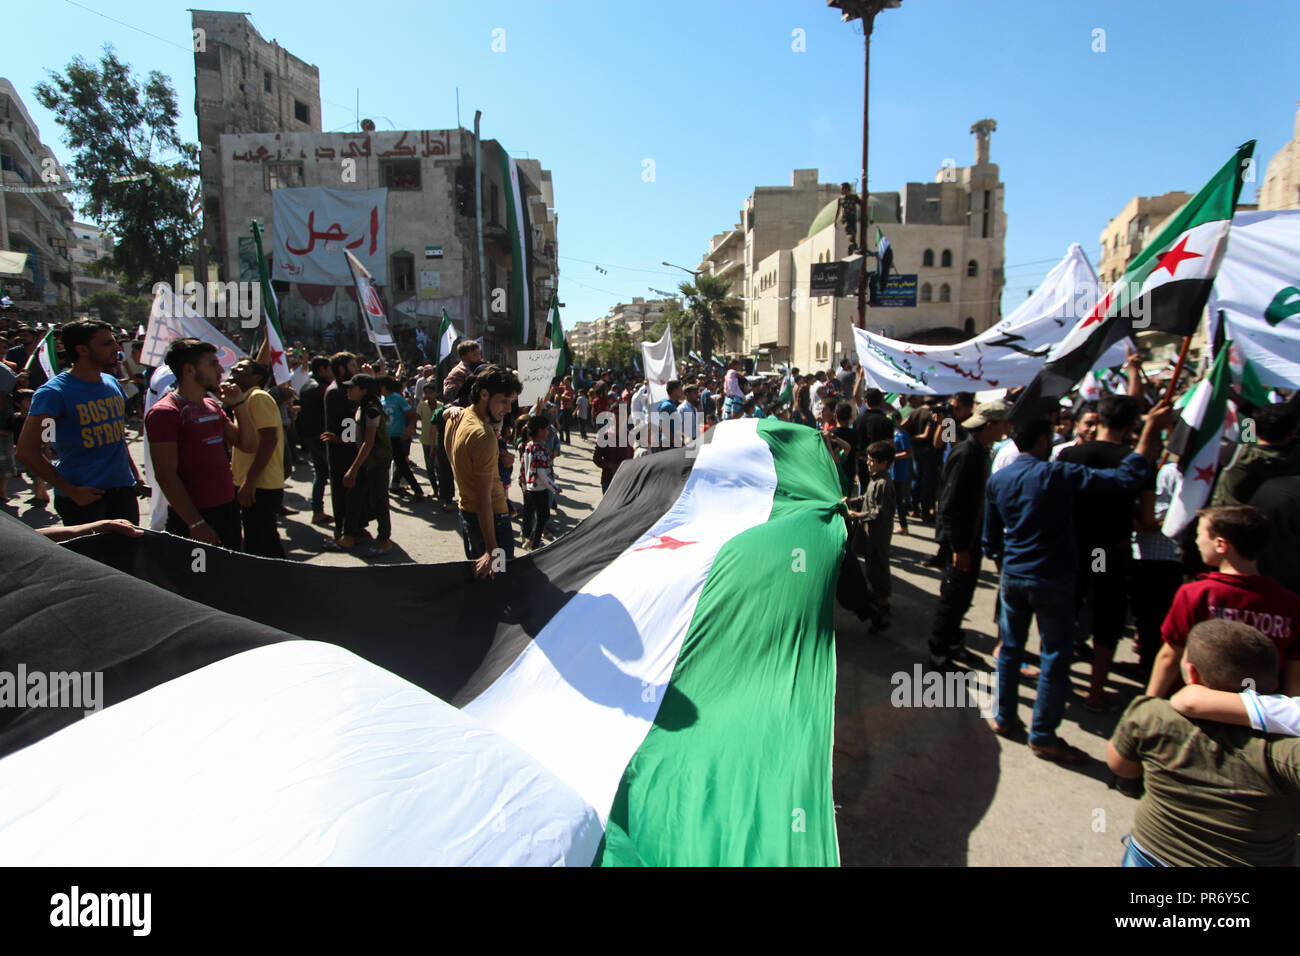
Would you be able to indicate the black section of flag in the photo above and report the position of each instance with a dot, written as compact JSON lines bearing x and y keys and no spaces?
{"x":431,"y":624}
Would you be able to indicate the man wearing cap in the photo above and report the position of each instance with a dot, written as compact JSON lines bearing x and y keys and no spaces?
{"x":959,"y":519}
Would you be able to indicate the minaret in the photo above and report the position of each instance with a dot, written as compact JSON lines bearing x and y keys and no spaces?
{"x":982,"y":129}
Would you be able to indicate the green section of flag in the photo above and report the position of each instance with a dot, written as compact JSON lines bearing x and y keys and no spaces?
{"x":557,"y":336}
{"x":268,"y":295}
{"x":736,"y":769}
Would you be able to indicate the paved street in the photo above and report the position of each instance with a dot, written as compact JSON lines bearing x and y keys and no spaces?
{"x":914,"y":786}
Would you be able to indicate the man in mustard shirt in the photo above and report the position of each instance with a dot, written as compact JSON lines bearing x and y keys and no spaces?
{"x":475,"y":454}
{"x":259,"y":475}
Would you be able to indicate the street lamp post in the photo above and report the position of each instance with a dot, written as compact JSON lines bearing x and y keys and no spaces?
{"x":864,"y":10}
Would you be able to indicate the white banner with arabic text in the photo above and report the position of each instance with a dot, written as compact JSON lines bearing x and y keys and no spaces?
{"x":1007,"y":355}
{"x":312,"y":226}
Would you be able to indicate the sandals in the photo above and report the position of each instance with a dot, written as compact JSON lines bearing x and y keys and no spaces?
{"x":375,"y":551}
{"x":332,"y":544}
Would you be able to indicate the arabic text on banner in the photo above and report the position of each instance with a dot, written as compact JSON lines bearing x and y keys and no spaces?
{"x":536,"y":369}
{"x":312,"y":225}
{"x":1005,"y":356}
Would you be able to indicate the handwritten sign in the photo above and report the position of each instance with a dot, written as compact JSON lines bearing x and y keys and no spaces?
{"x":313,"y":225}
{"x":536,"y":369}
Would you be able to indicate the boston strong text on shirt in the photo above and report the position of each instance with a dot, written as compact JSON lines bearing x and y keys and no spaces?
{"x":89,"y":429}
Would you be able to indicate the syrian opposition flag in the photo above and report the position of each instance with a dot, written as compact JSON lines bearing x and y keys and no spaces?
{"x":787,"y":389}
{"x":1165,"y":288}
{"x":521,"y":247}
{"x":272,"y":351}
{"x":442,"y":347}
{"x":371,"y":306}
{"x":555,"y":332}
{"x":884,"y":256}
{"x":1195,"y":440}
{"x":624,"y":696}
{"x":46,"y":356}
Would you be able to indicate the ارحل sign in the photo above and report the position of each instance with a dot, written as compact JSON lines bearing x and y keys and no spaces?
{"x":313,"y":225}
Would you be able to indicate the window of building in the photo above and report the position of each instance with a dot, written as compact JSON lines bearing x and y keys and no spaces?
{"x":927,"y":294}
{"x":300,"y":112}
{"x":400,"y":173}
{"x":266,"y":80}
{"x":972,"y":268}
{"x":283,"y":175}
{"x":945,"y":261}
{"x":495,"y":221}
{"x":927,"y":259}
{"x":970,"y":325}
{"x":945,"y":293}
{"x":403,"y":279}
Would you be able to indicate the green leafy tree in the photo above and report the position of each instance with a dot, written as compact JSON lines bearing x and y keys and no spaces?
{"x":710,"y":311}
{"x":115,"y":127}
{"x":620,"y":348}
{"x":122,"y":311}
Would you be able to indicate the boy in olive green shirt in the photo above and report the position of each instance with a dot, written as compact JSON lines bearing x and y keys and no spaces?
{"x":1216,"y":794}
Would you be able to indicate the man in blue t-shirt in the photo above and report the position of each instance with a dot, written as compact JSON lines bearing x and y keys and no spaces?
{"x":402,"y":419}
{"x":666,"y":423}
{"x":82,"y":412}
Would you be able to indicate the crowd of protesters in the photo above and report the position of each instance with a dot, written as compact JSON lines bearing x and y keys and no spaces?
{"x":1068,"y":509}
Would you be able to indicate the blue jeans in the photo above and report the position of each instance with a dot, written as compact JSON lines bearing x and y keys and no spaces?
{"x":472,"y":534}
{"x":1136,"y":856}
{"x":1052,"y":601}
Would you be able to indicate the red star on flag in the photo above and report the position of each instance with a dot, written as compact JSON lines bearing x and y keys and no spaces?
{"x":1174,"y":256}
{"x":1100,"y":311}
{"x":1205,"y":474}
{"x":672,"y":544}
{"x":276,"y":357}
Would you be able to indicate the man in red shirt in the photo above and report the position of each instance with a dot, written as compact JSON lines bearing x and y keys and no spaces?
{"x":1230,"y":540}
{"x":188,"y":435}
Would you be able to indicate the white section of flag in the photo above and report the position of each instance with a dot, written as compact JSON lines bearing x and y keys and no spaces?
{"x":1262,"y":262}
{"x":294,"y":754}
{"x":582,"y":697}
{"x":1194,"y":491}
{"x":660,"y":365}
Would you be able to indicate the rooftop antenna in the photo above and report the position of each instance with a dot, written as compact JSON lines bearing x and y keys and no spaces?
{"x":358,"y":108}
{"x":458,"y":107}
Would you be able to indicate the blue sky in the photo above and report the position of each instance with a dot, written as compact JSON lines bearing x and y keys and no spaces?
{"x":715,"y":94}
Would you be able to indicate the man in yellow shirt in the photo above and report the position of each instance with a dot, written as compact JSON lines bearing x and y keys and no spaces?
{"x":259,"y":475}
{"x":475,"y":453}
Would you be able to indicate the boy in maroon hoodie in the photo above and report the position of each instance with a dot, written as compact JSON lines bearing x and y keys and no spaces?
{"x":1230,"y":540}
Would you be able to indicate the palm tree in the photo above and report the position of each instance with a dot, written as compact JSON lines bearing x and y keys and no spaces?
{"x":710,"y":310}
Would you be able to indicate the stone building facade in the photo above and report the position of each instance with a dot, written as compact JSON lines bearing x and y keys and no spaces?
{"x":1281,"y":186}
{"x":36,"y":223}
{"x":242,"y":84}
{"x":950,"y":233}
{"x":430,"y":235}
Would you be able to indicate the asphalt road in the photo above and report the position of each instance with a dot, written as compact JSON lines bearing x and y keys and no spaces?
{"x":913,"y":785}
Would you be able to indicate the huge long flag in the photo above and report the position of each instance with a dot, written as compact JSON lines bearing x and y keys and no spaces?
{"x":625,"y":696}
{"x":1163,"y":289}
{"x":521,"y":244}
